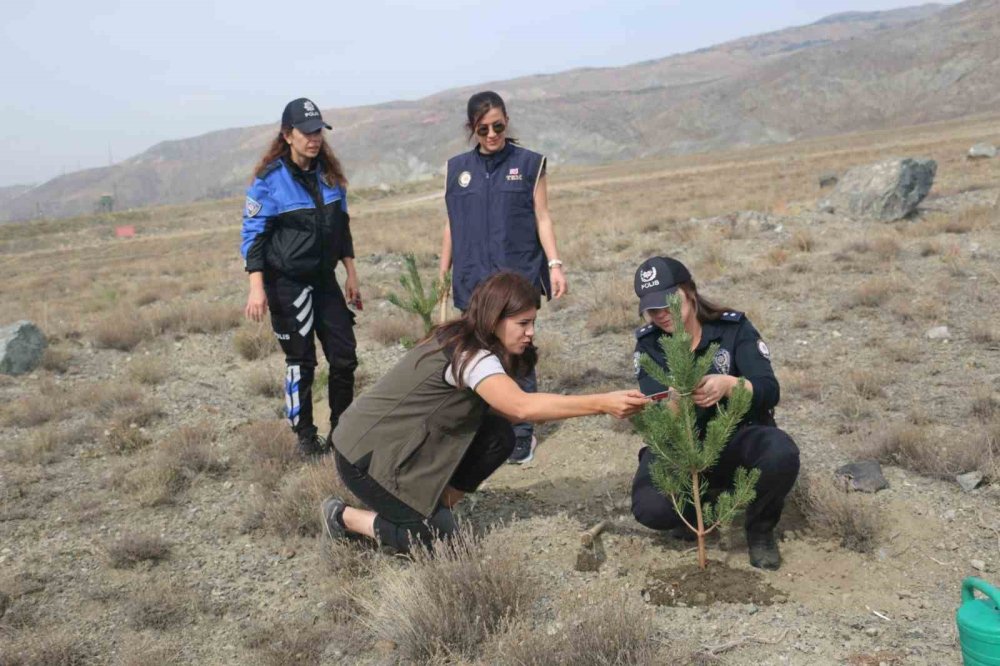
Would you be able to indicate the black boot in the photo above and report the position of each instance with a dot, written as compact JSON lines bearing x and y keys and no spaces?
{"x":310,"y":444}
{"x":763,"y":549}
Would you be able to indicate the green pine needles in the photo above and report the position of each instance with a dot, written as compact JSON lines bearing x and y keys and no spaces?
{"x":682,"y":455}
{"x":415,"y":299}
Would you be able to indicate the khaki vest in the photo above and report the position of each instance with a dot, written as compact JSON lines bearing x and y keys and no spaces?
{"x":413,"y":427}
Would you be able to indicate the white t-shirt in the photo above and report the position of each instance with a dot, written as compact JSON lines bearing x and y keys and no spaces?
{"x":483,"y":364}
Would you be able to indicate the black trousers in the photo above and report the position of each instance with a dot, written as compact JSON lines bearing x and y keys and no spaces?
{"x":397,"y":525}
{"x":767,"y":448}
{"x":299,"y":312}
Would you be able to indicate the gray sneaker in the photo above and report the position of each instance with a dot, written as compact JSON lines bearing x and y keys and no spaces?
{"x":330,"y":510}
{"x":524,"y":450}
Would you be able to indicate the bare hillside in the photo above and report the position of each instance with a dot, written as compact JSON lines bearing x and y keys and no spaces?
{"x":779,"y":86}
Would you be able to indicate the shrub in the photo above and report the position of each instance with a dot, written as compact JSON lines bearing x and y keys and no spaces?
{"x":263,"y":382}
{"x":148,"y":370}
{"x":267,"y":450}
{"x":214,"y":317}
{"x":56,"y":360}
{"x":612,"y":308}
{"x":122,"y":330}
{"x":449,"y":600}
{"x":131,"y":549}
{"x":868,"y":384}
{"x":836,"y":513}
{"x":289,"y":644}
{"x":911,"y":447}
{"x":124,"y":439}
{"x":49,"y":647}
{"x":872,"y":293}
{"x":294,"y":507}
{"x":613,"y":630}
{"x":255,"y":342}
{"x":179,"y":460}
{"x":159,"y":605}
{"x":394,"y":329}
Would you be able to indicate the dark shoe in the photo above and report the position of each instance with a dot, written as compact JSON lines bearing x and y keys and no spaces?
{"x":763,"y":548}
{"x":310,"y":445}
{"x":524,"y":450}
{"x":331,"y":510}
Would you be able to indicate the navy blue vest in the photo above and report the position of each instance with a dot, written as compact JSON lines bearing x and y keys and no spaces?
{"x":492,"y":217}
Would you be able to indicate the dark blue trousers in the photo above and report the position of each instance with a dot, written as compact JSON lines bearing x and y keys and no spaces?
{"x":766,"y":448}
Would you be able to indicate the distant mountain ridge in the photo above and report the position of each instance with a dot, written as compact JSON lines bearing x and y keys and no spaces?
{"x":849,"y":71}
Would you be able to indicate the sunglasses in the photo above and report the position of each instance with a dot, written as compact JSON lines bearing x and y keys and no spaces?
{"x":498,"y":128}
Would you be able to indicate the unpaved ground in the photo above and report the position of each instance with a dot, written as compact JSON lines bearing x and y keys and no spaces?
{"x":895,"y":605}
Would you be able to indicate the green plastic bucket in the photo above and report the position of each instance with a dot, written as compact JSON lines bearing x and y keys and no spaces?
{"x":979,"y":624}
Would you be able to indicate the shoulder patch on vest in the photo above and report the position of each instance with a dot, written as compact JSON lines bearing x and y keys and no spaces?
{"x":731,"y":316}
{"x":643,"y":331}
{"x":764,"y":351}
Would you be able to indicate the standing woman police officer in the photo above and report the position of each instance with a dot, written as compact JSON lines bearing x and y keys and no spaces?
{"x":757,"y":442}
{"x":498,"y":219}
{"x":295,"y":230}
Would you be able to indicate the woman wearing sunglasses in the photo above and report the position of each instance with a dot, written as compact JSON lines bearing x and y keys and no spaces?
{"x":498,"y":219}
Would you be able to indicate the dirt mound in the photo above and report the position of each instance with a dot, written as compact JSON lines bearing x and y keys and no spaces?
{"x":687,"y":585}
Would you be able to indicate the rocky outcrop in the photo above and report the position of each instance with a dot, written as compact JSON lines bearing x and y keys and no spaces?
{"x":886,"y":191}
{"x":21,"y":347}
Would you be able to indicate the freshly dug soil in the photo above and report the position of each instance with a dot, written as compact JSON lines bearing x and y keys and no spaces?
{"x":688,"y":585}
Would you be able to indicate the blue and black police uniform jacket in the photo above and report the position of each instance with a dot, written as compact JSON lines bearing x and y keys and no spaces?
{"x":491,"y":212}
{"x":741,"y":353}
{"x":295,"y":224}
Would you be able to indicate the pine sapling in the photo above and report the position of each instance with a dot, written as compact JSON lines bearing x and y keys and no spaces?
{"x":414,"y":298}
{"x":682,"y":455}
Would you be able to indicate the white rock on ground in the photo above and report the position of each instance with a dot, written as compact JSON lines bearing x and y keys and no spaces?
{"x":885,"y":191}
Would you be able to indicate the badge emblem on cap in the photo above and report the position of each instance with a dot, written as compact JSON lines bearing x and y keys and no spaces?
{"x":308,"y":106}
{"x":722,"y":361}
{"x":464,"y":178}
{"x":648,"y":276}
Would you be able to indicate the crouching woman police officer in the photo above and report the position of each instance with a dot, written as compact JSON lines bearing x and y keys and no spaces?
{"x":439,"y":423}
{"x":757,"y":442}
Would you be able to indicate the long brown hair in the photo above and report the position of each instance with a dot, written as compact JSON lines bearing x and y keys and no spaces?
{"x":704,"y":309}
{"x":333,"y":174}
{"x":500,"y":296}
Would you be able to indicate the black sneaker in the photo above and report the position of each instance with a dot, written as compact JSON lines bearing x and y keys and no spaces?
{"x":763,"y":549}
{"x":524,"y":450}
{"x":331,"y":511}
{"x":311,"y":445}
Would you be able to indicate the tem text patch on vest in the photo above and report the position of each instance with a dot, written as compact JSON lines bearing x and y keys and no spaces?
{"x":515,"y":174}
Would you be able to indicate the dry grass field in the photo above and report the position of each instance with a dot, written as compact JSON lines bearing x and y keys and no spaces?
{"x":152,"y":510}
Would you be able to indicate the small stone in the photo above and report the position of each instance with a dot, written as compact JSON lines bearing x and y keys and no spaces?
{"x":872,"y":631}
{"x":287,"y":553}
{"x":905,"y":594}
{"x":753,"y":610}
{"x":939,"y":333}
{"x":790,"y":535}
{"x":969,"y":480}
{"x":864,"y":476}
{"x":949,"y":515}
{"x":700,"y":598}
{"x":978,"y":565}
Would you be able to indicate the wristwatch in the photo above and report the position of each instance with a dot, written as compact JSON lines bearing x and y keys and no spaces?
{"x":555,"y":262}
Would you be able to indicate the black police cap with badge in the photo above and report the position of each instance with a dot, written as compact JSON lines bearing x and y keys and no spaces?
{"x":303,"y":115}
{"x":656,"y":279}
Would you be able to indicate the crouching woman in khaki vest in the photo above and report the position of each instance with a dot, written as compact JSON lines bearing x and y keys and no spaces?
{"x":439,"y":423}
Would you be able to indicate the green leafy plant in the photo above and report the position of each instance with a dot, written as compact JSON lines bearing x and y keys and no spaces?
{"x":683,"y":454}
{"x":414,"y":298}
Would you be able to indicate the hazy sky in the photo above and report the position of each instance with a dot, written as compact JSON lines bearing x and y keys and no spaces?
{"x":87,"y":75}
